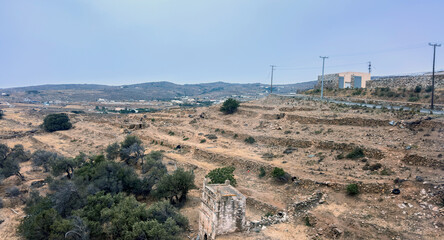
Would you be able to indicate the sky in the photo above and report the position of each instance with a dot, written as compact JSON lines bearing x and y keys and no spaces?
{"x":196,"y":41}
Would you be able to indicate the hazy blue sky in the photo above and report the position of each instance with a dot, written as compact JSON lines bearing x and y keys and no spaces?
{"x":128,"y":41}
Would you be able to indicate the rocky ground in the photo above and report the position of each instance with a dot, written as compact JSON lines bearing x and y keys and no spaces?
{"x":307,"y":139}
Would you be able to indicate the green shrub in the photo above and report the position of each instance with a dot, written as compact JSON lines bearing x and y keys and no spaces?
{"x":56,"y":122}
{"x":352,"y":189}
{"x":1,"y":114}
{"x":413,"y":98}
{"x":373,"y":167}
{"x":429,"y":88}
{"x":171,"y":133}
{"x":307,"y":221}
{"x":386,"y":172}
{"x":262,"y":172}
{"x":219,"y":175}
{"x":250,"y":140}
{"x":418,"y":89}
{"x":356,"y":153}
{"x":112,"y":151}
{"x":280,"y":175}
{"x":203,"y":140}
{"x":229,"y":106}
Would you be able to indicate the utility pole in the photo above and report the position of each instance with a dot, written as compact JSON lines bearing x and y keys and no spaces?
{"x":369,"y":67}
{"x":434,"y":45}
{"x":322,"y":84}
{"x":272,"y":71}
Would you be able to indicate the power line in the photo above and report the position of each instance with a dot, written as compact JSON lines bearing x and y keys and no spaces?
{"x":309,"y":68}
{"x":416,"y":46}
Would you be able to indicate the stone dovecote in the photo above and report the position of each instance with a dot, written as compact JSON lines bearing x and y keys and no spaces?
{"x":222,"y":210}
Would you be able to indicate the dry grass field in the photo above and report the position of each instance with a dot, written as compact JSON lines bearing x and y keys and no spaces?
{"x":309,"y":140}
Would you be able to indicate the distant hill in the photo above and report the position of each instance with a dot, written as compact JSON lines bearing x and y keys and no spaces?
{"x":146,"y":91}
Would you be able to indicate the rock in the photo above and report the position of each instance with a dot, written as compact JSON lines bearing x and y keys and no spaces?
{"x":337,"y":231}
{"x":37,"y":184}
{"x":290,"y":150}
{"x":311,"y":155}
{"x":211,"y":136}
{"x":423,"y":192}
{"x":402,"y":205}
{"x":419,"y":179}
{"x":408,"y":148}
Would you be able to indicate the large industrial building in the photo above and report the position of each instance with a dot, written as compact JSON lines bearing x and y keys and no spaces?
{"x":344,"y":80}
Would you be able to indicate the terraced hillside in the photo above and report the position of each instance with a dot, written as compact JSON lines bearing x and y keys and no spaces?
{"x":312,"y":141}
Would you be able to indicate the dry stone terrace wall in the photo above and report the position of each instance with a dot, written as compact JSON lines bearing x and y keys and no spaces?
{"x":340,"y":121}
{"x":408,"y":82}
{"x":369,"y":152}
{"x":265,"y":207}
{"x":230,"y":161}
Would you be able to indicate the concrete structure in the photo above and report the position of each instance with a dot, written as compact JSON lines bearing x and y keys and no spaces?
{"x":222,"y":210}
{"x":344,"y":80}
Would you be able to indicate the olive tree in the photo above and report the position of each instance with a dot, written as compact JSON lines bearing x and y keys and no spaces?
{"x":131,"y":150}
{"x":175,"y":187}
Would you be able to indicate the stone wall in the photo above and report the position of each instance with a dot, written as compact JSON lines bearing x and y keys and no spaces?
{"x":408,"y":82}
{"x":330,"y":81}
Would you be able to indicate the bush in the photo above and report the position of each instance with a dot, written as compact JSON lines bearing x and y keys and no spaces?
{"x":56,"y":122}
{"x":44,"y":158}
{"x":280,"y":175}
{"x":250,"y":140}
{"x":262,"y":172}
{"x":1,"y":202}
{"x":373,"y":167}
{"x":112,"y":151}
{"x":110,"y":177}
{"x":356,"y":153}
{"x":352,"y":189}
{"x":203,"y":140}
{"x":429,"y":88}
{"x":66,"y":165}
{"x":418,"y":89}
{"x":219,"y":175}
{"x":229,"y":106}
{"x":8,"y":164}
{"x":413,"y":99}
{"x":153,"y":166}
{"x":12,"y":192}
{"x":19,"y":154}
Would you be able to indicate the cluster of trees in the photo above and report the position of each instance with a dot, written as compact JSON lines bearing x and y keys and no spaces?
{"x":95,"y":197}
{"x":10,"y":159}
